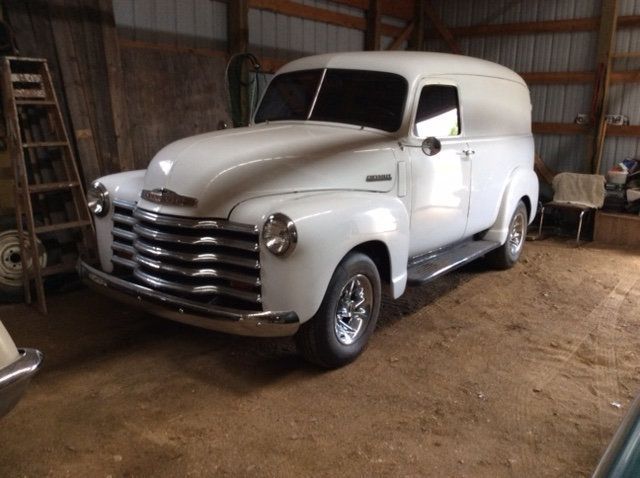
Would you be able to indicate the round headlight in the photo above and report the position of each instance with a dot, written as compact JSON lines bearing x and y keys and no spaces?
{"x":279,"y":235}
{"x":98,"y":199}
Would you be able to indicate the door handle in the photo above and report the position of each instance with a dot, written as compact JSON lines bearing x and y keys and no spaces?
{"x":468,"y":152}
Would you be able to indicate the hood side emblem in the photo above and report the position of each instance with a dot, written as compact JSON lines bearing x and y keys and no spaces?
{"x":378,"y":177}
{"x":168,"y":197}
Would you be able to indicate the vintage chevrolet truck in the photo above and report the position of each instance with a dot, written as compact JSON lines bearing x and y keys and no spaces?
{"x":360,"y":172}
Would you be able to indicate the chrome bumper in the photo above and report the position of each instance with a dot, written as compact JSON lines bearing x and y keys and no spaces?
{"x":222,"y":319}
{"x":15,"y":377}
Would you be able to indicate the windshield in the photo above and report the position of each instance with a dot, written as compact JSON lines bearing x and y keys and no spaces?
{"x":364,"y":98}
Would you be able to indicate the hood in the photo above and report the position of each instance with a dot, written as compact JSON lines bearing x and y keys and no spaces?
{"x":224,"y":168}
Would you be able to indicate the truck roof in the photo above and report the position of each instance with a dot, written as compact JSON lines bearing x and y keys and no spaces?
{"x":410,"y":64}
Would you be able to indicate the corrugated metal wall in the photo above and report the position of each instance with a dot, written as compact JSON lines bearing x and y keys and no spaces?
{"x":545,"y":52}
{"x":187,"y":23}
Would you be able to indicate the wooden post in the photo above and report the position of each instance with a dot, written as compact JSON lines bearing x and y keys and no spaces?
{"x":606,"y":40}
{"x":416,"y":41}
{"x":238,"y":26}
{"x":374,"y":25}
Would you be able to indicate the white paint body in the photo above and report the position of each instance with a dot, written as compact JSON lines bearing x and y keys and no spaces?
{"x":315,"y":173}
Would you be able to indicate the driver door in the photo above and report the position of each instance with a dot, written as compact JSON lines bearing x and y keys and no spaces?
{"x":440,"y":182}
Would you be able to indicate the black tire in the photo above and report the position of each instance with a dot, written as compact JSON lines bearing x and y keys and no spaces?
{"x":506,"y":256}
{"x":318,"y":339}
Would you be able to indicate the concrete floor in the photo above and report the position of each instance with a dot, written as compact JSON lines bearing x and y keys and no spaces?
{"x":481,"y":373}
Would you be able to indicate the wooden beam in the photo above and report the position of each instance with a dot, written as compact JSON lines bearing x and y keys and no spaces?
{"x":298,"y":10}
{"x":404,"y":36}
{"x":373,"y":33}
{"x":550,"y":26}
{"x":390,"y":8}
{"x":133,"y":44}
{"x":623,"y":130}
{"x":631,"y":76}
{"x":238,"y":26}
{"x":558,"y":77}
{"x":606,"y":44}
{"x":543,"y":170}
{"x":441,"y":28}
{"x":559,"y":128}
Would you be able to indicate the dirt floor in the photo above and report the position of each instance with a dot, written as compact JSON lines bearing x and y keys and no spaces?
{"x":482,"y":373}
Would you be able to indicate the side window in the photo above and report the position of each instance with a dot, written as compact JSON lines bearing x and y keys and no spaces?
{"x":438,"y":112}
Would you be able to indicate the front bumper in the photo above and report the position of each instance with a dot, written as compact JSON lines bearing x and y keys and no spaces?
{"x":15,"y":377}
{"x":222,"y":319}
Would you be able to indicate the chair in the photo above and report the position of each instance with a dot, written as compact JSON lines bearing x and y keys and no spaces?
{"x":581,"y":192}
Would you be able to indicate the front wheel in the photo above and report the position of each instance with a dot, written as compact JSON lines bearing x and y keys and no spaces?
{"x":341,"y":328}
{"x":508,"y":254}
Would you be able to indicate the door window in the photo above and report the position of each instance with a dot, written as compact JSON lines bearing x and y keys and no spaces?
{"x":438,"y":112}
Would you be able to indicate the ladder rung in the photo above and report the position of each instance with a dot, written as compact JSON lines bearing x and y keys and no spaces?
{"x":61,"y":226}
{"x":45,"y":144}
{"x":58,"y":269}
{"x":26,"y":78}
{"x":41,"y":188}
{"x":29,"y":93}
{"x":35,"y":103}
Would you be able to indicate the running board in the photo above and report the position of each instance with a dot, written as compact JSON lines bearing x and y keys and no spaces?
{"x":426,"y":268}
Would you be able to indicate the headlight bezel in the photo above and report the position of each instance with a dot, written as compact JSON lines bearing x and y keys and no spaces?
{"x":101,"y":205}
{"x":287,"y":225}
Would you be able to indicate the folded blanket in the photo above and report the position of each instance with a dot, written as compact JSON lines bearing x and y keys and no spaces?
{"x":579,"y":189}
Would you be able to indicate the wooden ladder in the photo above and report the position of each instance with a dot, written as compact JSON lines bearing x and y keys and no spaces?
{"x":45,"y":173}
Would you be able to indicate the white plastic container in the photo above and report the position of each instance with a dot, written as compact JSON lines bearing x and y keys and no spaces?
{"x":617,"y":177}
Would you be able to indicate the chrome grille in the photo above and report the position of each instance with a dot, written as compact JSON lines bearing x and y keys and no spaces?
{"x":210,"y":260}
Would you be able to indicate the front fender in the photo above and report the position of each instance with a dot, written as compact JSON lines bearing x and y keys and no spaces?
{"x":329,"y":225}
{"x":125,"y":187}
{"x":523,"y":183}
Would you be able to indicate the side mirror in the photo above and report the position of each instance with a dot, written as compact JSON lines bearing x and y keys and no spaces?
{"x":431,"y":146}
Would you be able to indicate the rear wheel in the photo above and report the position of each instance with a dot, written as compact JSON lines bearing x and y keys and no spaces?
{"x":508,"y":254}
{"x":341,"y":328}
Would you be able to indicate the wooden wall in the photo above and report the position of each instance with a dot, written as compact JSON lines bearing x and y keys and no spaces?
{"x":170,"y":95}
{"x":122,"y":104}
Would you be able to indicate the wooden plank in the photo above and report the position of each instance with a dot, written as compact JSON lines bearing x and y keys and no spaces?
{"x":28,"y":93}
{"x":558,"y":77}
{"x":26,"y":78}
{"x":169,"y":48}
{"x":76,"y":94}
{"x":575,"y":77}
{"x":559,"y":128}
{"x":46,"y":187}
{"x":628,"y":130}
{"x":390,"y":8}
{"x":374,"y":30}
{"x":618,"y":229}
{"x":61,"y":226}
{"x":116,"y":87}
{"x":543,"y":170}
{"x":238,"y":26}
{"x":45,"y":144}
{"x":549,"y":26}
{"x":606,"y":44}
{"x":441,"y":28}
{"x":404,"y":36}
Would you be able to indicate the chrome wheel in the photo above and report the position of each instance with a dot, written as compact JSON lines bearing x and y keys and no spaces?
{"x":354,"y":309}
{"x":517,"y":234}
